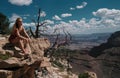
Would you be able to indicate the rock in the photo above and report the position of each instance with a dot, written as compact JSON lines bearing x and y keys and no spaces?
{"x":18,"y":65}
{"x":10,"y":63}
{"x":6,"y":74}
{"x":39,"y":45}
{"x":22,"y":65}
{"x":2,"y":38}
{"x":114,"y":39}
{"x":45,"y":64}
{"x":24,"y":72}
{"x":91,"y":74}
{"x":9,"y":52}
{"x":109,"y":53}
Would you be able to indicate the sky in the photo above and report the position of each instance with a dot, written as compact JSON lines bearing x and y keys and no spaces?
{"x":74,"y":16}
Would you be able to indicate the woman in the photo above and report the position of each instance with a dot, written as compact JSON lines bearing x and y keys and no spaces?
{"x":19,"y":37}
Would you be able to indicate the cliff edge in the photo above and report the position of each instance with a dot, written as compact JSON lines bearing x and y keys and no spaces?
{"x":108,"y":56}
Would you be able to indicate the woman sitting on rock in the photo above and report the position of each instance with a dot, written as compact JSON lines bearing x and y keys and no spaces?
{"x":19,"y":37}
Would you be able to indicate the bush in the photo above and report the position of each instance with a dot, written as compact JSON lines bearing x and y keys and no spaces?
{"x":83,"y":75}
{"x":5,"y":56}
{"x":4,"y":24}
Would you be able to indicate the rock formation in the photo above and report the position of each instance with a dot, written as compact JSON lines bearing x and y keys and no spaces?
{"x":108,"y":56}
{"x":13,"y":64}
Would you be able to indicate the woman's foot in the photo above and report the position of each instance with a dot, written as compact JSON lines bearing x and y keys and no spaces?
{"x":24,"y":52}
{"x":27,"y":50}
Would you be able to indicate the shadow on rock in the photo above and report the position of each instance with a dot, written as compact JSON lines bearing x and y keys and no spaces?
{"x":10,"y":48}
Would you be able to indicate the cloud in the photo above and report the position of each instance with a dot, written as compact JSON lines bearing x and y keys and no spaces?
{"x":28,"y":24}
{"x":49,"y":22}
{"x":13,"y":17}
{"x":43,"y":14}
{"x":56,"y":17}
{"x":66,"y":15}
{"x":110,"y":17}
{"x":79,"y":24}
{"x":82,"y":5}
{"x":20,"y":2}
{"x":72,"y":8}
{"x":26,"y":15}
{"x":73,"y":26}
{"x":107,"y":13}
{"x":104,"y":20}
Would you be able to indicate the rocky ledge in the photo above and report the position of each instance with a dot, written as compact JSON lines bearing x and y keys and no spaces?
{"x":13,"y":64}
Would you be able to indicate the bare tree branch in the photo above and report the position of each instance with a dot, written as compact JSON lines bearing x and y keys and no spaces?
{"x":32,"y":32}
{"x":69,"y":35}
{"x":34,"y":22}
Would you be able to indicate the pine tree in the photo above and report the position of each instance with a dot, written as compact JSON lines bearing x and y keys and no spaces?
{"x":4,"y":24}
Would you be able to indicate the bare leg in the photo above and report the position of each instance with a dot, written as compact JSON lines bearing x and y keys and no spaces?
{"x":27,"y":47}
{"x":19,"y":42}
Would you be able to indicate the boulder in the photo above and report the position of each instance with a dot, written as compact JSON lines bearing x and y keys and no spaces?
{"x":6,"y":74}
{"x":10,"y":63}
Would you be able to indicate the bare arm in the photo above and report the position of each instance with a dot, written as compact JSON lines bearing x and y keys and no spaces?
{"x":18,"y":34}
{"x":26,"y":35}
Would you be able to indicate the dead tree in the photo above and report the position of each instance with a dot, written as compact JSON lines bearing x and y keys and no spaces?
{"x":38,"y":25}
{"x":58,"y":43}
{"x":66,"y":40}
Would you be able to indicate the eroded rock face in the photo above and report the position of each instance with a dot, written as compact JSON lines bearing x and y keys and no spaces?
{"x":10,"y":63}
{"x":109,"y":53}
{"x":114,"y":40}
{"x":39,"y":45}
{"x":13,"y":64}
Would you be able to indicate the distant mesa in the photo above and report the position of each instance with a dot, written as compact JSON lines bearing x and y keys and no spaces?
{"x":113,"y":41}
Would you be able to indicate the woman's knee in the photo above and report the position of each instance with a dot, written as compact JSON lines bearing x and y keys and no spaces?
{"x":20,"y":40}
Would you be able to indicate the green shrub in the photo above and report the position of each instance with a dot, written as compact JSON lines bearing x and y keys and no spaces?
{"x":4,"y":56}
{"x":58,"y":64}
{"x":4,"y":24}
{"x":83,"y":75}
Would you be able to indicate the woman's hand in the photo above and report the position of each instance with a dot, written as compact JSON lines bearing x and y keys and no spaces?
{"x":27,"y":40}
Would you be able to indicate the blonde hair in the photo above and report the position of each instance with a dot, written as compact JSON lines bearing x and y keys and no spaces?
{"x":16,"y":22}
